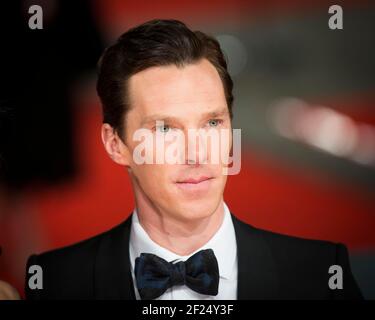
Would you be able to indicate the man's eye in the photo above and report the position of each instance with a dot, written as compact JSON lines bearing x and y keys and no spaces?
{"x":214,"y":122}
{"x":163,"y":129}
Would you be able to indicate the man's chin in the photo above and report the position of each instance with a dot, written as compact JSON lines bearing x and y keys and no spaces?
{"x":196,"y":210}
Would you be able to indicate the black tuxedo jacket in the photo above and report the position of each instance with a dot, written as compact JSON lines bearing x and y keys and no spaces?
{"x":270,"y":266}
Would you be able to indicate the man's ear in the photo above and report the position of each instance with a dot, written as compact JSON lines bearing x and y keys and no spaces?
{"x":114,"y":146}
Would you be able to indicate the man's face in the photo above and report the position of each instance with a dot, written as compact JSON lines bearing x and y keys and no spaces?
{"x":185,"y":98}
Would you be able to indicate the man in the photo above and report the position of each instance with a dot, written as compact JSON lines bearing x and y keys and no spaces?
{"x":181,"y":241}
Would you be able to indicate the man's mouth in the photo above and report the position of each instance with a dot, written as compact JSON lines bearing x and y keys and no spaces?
{"x":194,"y":180}
{"x":195,"y":186}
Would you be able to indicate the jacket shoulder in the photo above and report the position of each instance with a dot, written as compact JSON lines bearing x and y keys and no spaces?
{"x":68,"y":272}
{"x":286,"y":244}
{"x":304,"y":265}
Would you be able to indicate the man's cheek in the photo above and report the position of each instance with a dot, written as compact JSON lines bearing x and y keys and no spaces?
{"x":154,"y":180}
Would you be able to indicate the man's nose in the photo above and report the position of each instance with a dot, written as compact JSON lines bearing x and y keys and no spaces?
{"x":196,"y":149}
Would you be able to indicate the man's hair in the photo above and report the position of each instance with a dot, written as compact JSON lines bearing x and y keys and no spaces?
{"x":154,"y":43}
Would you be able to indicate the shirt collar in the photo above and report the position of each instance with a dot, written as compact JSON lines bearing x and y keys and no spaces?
{"x":223,"y":243}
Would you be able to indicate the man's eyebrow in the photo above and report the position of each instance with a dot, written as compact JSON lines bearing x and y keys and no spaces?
{"x":165,"y":118}
{"x":216,"y":113}
{"x":157,"y":117}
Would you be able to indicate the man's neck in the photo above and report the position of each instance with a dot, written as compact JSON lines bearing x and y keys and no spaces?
{"x":179,"y":237}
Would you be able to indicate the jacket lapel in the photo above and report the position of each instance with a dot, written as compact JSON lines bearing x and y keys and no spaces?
{"x":257,"y":273}
{"x":113,"y":278}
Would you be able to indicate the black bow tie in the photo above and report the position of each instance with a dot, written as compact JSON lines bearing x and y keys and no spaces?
{"x":155,"y":275}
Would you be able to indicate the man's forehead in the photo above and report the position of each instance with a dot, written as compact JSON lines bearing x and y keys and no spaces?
{"x":164,"y":73}
{"x":171,"y":85}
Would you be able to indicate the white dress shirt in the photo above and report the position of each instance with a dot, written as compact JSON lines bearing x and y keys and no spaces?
{"x":223,"y":243}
